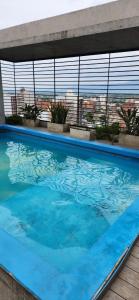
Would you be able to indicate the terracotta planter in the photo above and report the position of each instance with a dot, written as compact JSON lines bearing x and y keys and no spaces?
{"x":82,"y":133}
{"x":129,"y":140}
{"x":54,"y":127}
{"x":30,"y":123}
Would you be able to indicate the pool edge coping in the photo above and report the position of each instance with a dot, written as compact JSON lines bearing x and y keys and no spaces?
{"x":92,"y":145}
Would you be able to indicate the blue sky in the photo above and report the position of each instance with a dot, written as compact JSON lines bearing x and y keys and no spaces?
{"x":13,"y":12}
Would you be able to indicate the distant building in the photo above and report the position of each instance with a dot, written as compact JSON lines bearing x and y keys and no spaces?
{"x":71,"y":101}
{"x":78,"y":108}
{"x":128,"y":104}
{"x":9,"y":107}
{"x":44,"y":105}
{"x":14,"y":105}
{"x":24,"y":97}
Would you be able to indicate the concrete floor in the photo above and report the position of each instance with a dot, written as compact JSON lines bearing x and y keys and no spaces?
{"x":10,"y":289}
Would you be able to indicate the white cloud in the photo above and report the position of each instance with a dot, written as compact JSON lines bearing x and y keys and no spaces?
{"x":13,"y":12}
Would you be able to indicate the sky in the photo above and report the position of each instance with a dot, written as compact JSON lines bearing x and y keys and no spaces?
{"x":14,"y":12}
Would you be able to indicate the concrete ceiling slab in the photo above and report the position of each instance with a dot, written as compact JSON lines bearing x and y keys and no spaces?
{"x":111,"y":27}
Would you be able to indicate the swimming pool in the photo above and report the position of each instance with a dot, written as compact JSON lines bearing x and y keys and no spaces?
{"x":67,"y":205}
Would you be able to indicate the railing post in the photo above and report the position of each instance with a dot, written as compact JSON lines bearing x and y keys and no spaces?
{"x":78,"y":96}
{"x":2,"y":114}
{"x":54,"y":80}
{"x":15,"y":109}
{"x":34,"y":84}
{"x":107,"y":95}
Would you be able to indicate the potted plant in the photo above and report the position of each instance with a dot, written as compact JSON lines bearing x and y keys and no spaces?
{"x":14,"y":120}
{"x":108,"y":132}
{"x":30,"y":114}
{"x":130,"y":136}
{"x":84,"y":132}
{"x":59,"y":113}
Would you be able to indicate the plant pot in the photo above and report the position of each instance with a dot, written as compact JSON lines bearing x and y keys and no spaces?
{"x":30,"y":123}
{"x":54,"y":127}
{"x":114,"y":138}
{"x":82,"y":133}
{"x":43,"y":123}
{"x":129,"y":140}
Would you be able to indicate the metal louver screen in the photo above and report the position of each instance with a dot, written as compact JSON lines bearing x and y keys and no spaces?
{"x":98,"y":84}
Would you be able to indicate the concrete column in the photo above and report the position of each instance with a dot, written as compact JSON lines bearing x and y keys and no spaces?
{"x":2,"y":114}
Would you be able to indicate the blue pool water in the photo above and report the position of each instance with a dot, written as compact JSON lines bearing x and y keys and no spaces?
{"x":59,"y":201}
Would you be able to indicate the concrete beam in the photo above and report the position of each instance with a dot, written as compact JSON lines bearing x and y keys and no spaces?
{"x":109,"y":27}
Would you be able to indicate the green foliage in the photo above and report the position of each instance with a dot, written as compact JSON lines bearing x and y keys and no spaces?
{"x":107,"y":132}
{"x":31,"y":112}
{"x":14,"y":120}
{"x":130,"y":119}
{"x":136,"y":129}
{"x":103,"y":120}
{"x":115,"y":128}
{"x":89,"y":117}
{"x":58,"y":112}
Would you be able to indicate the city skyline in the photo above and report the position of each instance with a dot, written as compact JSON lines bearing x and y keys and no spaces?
{"x":95,"y":104}
{"x":88,"y":83}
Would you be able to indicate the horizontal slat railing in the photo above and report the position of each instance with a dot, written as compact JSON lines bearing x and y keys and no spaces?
{"x":97,"y":84}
